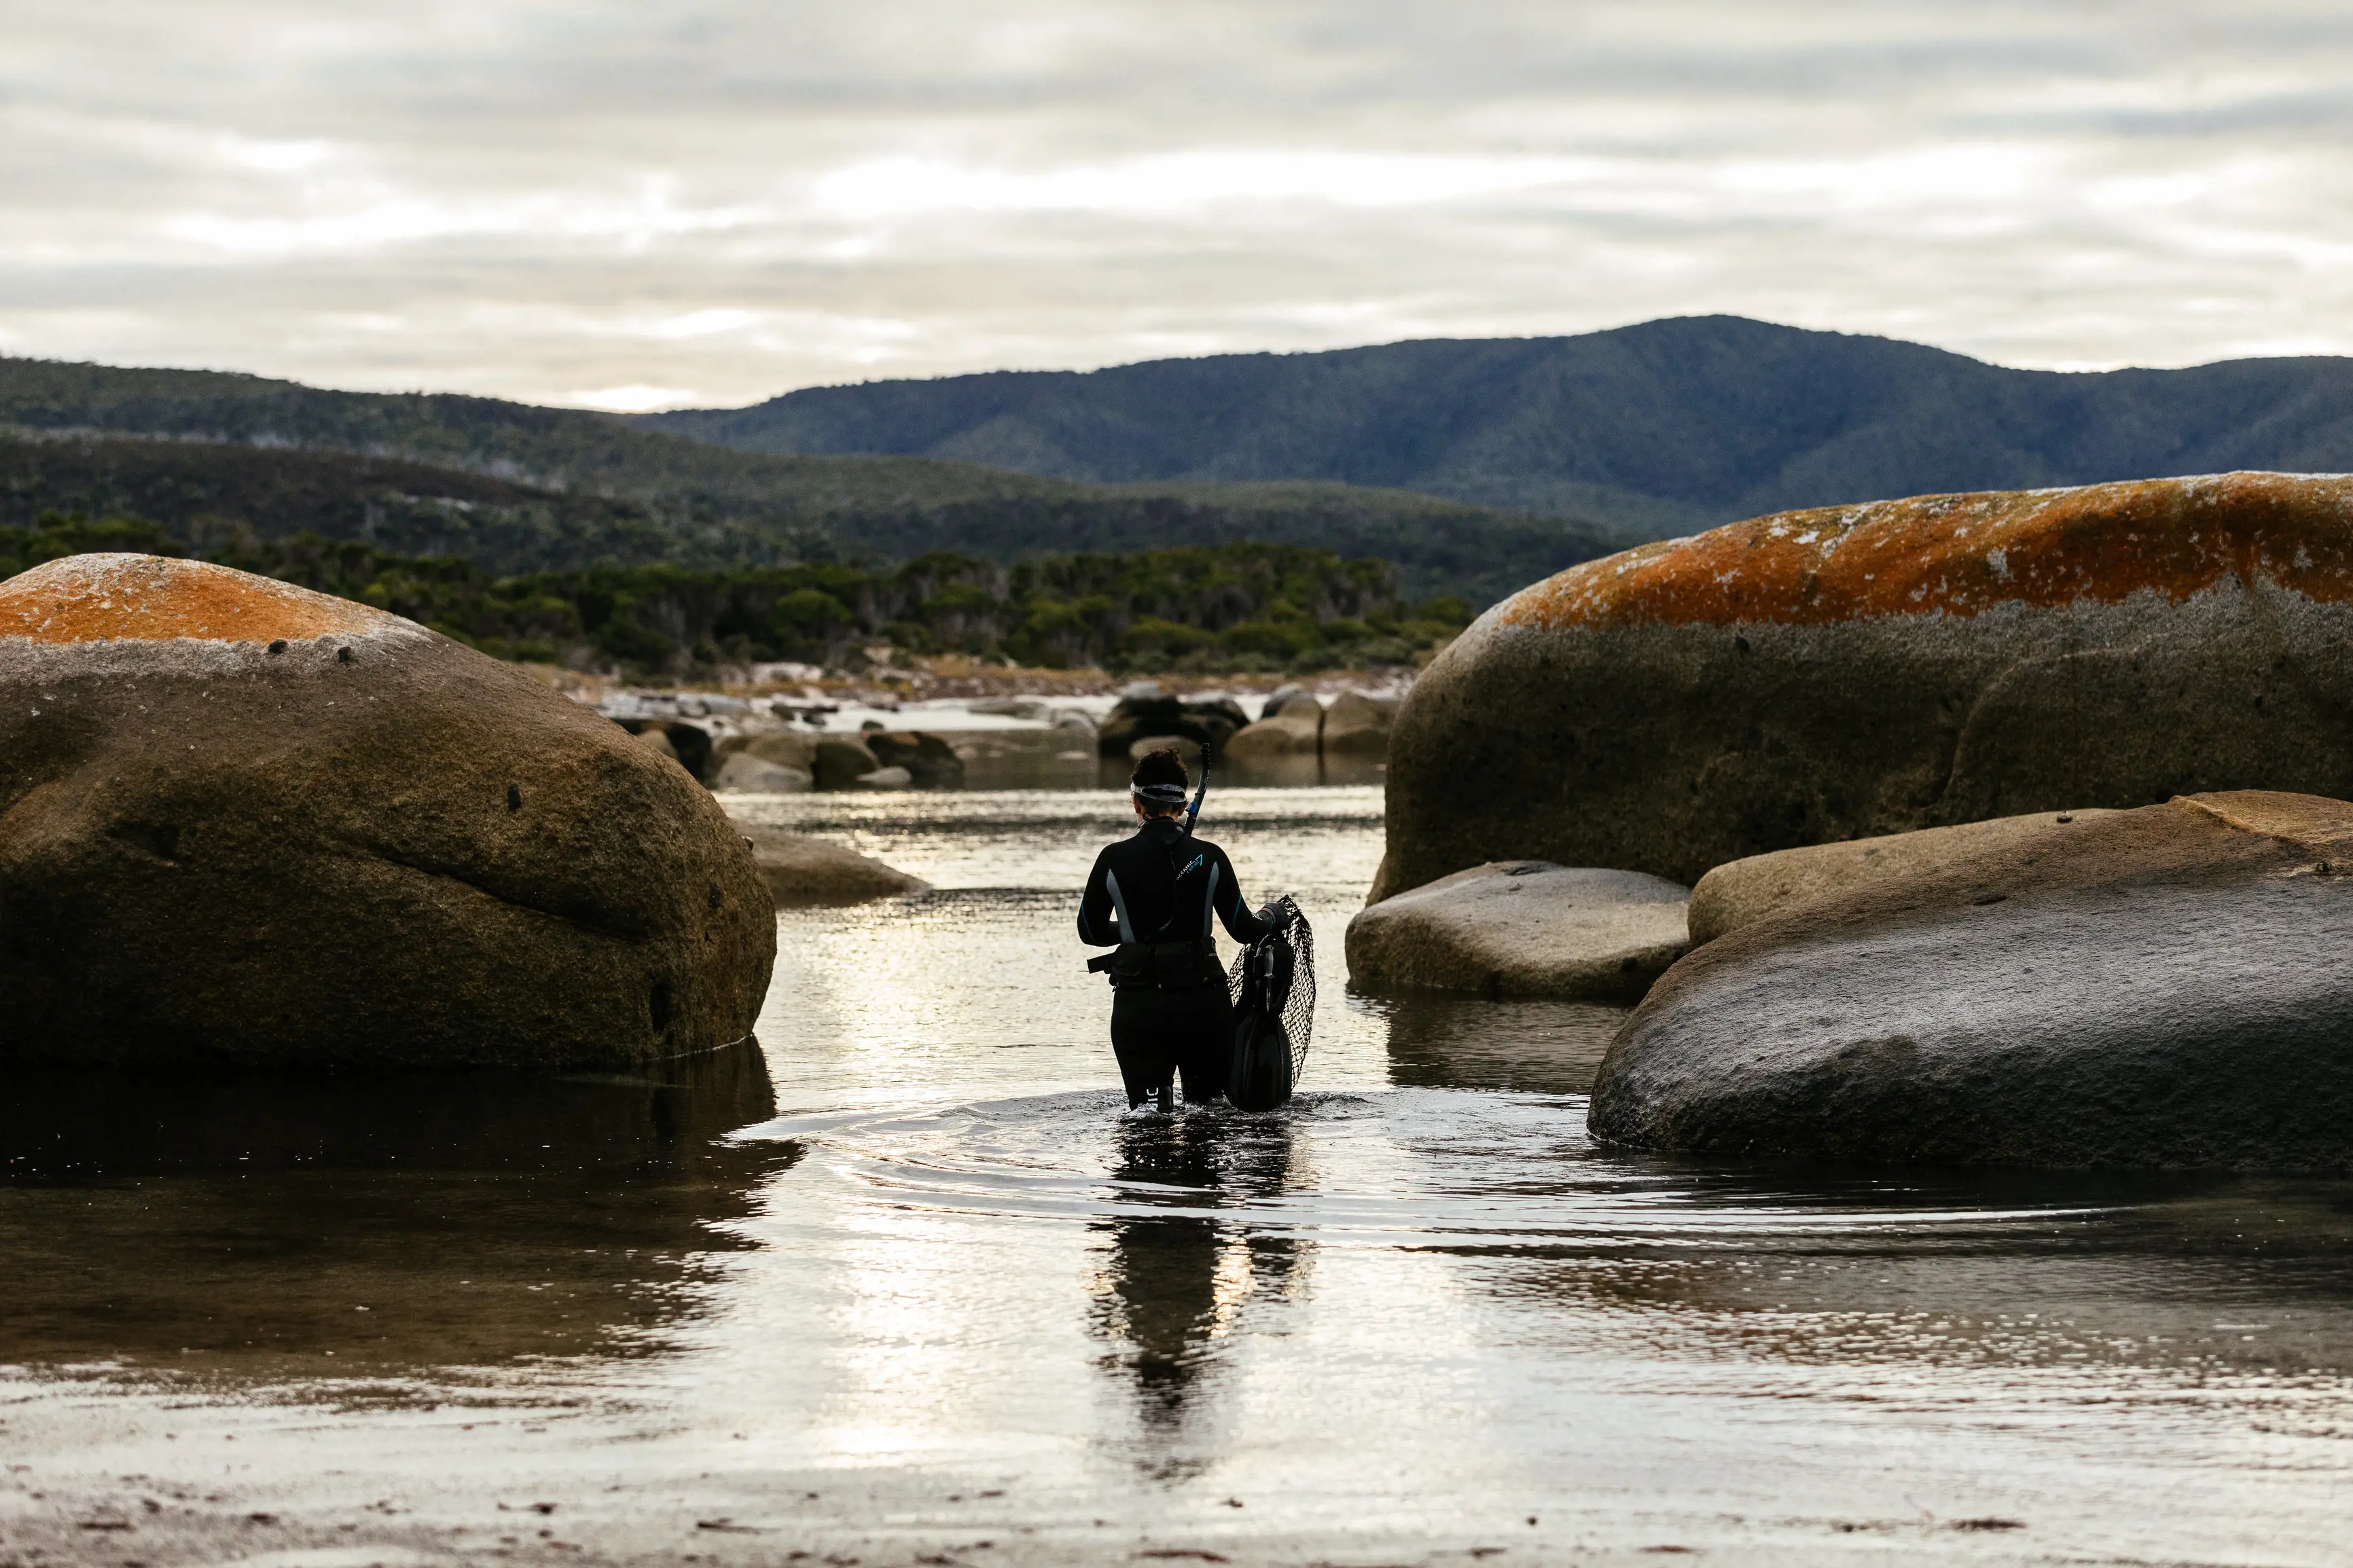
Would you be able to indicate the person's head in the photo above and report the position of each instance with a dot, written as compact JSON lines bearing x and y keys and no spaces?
{"x":1157,"y":787}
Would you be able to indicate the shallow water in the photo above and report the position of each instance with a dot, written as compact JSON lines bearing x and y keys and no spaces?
{"x":904,"y":1283}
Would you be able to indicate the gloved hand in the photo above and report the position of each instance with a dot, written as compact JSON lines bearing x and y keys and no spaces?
{"x":1278,"y":915}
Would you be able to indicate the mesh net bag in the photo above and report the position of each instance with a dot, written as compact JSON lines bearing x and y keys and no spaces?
{"x":1273,"y":985}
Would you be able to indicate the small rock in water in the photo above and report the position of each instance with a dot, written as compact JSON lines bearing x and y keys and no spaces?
{"x":745,"y":773}
{"x":802,"y":870}
{"x":1358,"y":725}
{"x":839,"y":763}
{"x":1523,"y":929}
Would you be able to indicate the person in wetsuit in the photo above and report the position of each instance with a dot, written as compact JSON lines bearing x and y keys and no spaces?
{"x":1154,"y":896}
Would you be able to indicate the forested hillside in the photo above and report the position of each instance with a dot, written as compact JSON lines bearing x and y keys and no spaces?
{"x":1653,"y":428}
{"x":518,"y":488}
{"x":1240,"y":607}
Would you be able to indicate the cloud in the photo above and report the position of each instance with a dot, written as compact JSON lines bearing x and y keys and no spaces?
{"x":635,"y":399}
{"x":720,"y":199}
{"x":1184,"y":182}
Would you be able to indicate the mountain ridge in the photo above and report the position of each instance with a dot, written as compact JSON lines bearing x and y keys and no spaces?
{"x":176,"y":447}
{"x":1659,"y":427}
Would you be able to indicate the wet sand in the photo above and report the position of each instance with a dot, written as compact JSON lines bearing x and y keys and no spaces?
{"x":901,"y":1288}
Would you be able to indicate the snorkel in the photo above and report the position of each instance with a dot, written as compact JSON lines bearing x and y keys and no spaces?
{"x":1193,"y":812}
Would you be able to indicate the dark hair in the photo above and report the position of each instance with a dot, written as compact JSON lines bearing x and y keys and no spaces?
{"x":1163,"y":767}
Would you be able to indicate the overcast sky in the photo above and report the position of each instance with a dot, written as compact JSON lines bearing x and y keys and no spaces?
{"x":683,"y":202}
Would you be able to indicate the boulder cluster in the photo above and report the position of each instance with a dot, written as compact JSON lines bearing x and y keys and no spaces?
{"x":1293,"y":724}
{"x":1298,"y":724}
{"x":789,"y":762}
{"x":2016,"y":823}
{"x":1147,"y":719}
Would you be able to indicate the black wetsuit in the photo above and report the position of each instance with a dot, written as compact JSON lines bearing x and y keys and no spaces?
{"x":1154,"y":896}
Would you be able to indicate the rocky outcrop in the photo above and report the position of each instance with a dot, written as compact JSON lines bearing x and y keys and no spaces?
{"x":1850,"y":671}
{"x":1522,"y":928}
{"x":2160,"y":988}
{"x":1735,"y":895}
{"x":1205,"y":721}
{"x":246,"y":826}
{"x":802,"y":871}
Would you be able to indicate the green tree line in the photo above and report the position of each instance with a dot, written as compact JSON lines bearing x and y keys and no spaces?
{"x":1209,"y":608}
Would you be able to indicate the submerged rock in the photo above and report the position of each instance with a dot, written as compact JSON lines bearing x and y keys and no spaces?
{"x":801,"y":870}
{"x":1747,"y":890}
{"x":243,"y":824}
{"x":1849,"y":672}
{"x":2160,"y":987}
{"x":1522,"y":928}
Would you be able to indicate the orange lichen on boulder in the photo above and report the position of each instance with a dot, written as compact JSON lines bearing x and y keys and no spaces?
{"x":150,"y":598}
{"x":1963,"y":554}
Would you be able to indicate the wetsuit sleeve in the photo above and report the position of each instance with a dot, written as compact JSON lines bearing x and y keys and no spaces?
{"x":1236,"y":915}
{"x":1098,"y":918}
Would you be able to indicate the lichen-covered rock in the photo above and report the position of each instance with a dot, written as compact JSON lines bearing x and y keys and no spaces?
{"x":1522,"y":928}
{"x":1849,"y":672}
{"x":243,"y":824}
{"x":801,"y":870}
{"x":1734,"y":895}
{"x":2160,"y":988}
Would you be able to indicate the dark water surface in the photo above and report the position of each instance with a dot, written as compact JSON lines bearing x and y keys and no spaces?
{"x":903,"y":1284}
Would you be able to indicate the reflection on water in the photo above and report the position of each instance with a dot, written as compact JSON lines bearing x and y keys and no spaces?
{"x":940,"y":1292}
{"x":249,"y":1227}
{"x":1439,"y":1041}
{"x":1175,"y":1281}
